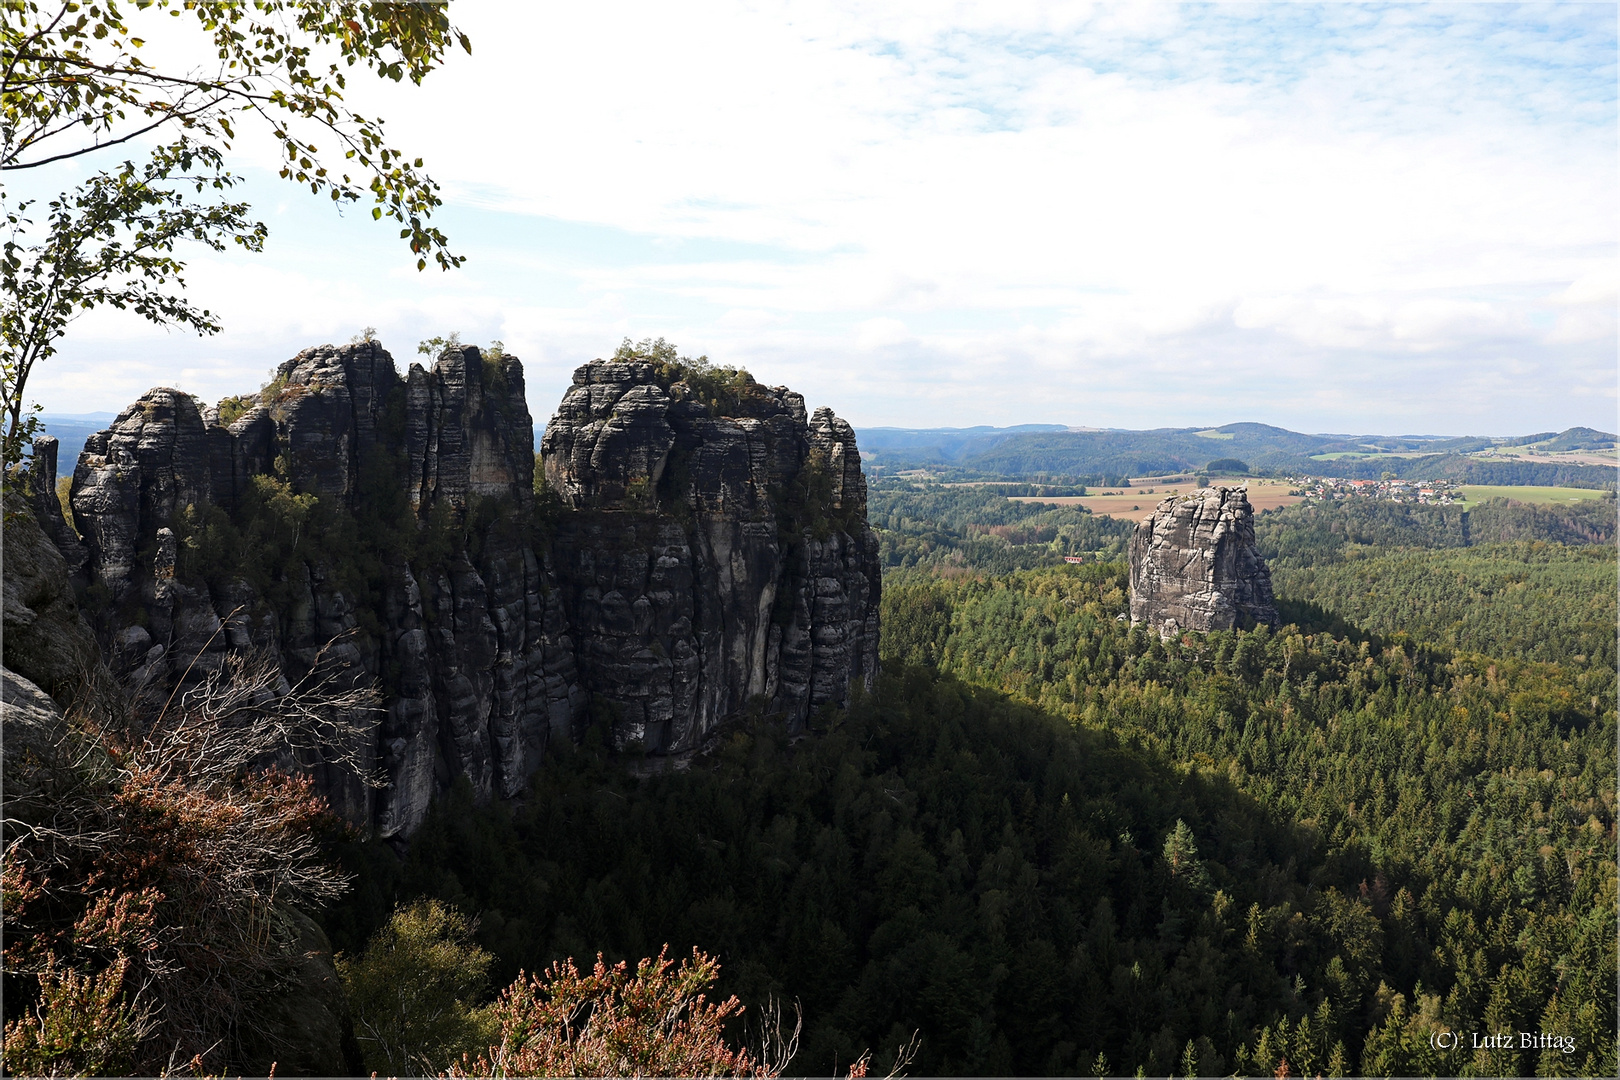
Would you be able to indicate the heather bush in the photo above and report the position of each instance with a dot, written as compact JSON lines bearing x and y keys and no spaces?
{"x":150,"y":865}
{"x":656,"y":1022}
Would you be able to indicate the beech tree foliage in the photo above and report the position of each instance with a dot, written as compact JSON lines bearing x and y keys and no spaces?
{"x":75,"y":83}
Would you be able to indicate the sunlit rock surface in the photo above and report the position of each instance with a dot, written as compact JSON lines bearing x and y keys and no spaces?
{"x":1194,"y":565}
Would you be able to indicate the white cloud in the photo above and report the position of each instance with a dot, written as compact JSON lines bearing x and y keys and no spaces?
{"x":906,"y":206}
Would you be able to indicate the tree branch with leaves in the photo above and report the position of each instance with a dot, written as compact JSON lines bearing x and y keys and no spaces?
{"x":111,"y":242}
{"x":74,"y":83}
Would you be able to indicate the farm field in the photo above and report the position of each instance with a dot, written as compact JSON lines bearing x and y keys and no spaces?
{"x":1473,"y":493}
{"x":1571,"y":457}
{"x":1339,"y":455}
{"x":1140,"y":502}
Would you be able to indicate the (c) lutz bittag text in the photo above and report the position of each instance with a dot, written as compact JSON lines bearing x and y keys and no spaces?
{"x":1502,"y":1040}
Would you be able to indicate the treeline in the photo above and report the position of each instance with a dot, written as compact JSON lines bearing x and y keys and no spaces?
{"x":1013,"y":453}
{"x":1461,"y":807}
{"x":1454,"y":467}
{"x":926,"y":526}
{"x":1526,"y":600}
{"x":1029,"y":456}
{"x":1317,"y":532}
{"x":1505,"y":579}
{"x":1115,"y":454}
{"x":942,"y":526}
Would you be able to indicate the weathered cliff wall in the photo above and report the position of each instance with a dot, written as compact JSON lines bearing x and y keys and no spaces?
{"x":296,"y":524}
{"x":689,"y":563}
{"x":1194,"y":565}
{"x":54,"y":772}
{"x":716,"y":555}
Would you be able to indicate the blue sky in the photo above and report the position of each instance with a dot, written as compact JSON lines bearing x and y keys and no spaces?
{"x":1340,"y":217}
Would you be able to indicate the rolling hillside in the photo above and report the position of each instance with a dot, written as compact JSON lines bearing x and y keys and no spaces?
{"x":1112,"y":456}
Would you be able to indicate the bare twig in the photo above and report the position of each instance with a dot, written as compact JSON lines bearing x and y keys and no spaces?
{"x":171,"y":846}
{"x":775,"y":1047}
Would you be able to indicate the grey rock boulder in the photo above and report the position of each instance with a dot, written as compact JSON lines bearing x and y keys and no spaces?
{"x":1194,"y":565}
{"x":46,"y":639}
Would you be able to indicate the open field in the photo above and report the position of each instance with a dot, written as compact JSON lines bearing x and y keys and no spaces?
{"x":1474,"y":493}
{"x":1568,"y":457}
{"x":1140,"y":502}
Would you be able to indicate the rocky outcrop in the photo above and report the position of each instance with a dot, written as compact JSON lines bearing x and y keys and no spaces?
{"x":691,"y":557}
{"x":1194,"y":565}
{"x":53,"y":767}
{"x":304,"y":521}
{"x":718,"y":553}
{"x":46,"y":639}
{"x":306,"y":1029}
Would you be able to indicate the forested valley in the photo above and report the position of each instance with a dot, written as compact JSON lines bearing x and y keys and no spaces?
{"x":1051,"y":843}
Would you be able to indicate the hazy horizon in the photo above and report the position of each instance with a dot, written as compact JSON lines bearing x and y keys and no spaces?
{"x":540,"y":422}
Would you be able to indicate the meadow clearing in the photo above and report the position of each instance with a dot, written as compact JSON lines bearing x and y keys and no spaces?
{"x":1140,"y":502}
{"x":1476,"y":493}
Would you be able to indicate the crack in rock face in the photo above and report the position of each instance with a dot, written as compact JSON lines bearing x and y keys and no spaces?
{"x":1194,"y":566}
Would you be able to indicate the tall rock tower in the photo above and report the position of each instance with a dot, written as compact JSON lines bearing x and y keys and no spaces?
{"x":1194,"y":565}
{"x":715,"y":552}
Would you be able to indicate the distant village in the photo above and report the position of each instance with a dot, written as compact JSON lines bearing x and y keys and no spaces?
{"x":1426,"y":492}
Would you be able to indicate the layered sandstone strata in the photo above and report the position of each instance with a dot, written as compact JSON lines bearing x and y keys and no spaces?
{"x":1194,"y":565}
{"x":715,"y":556}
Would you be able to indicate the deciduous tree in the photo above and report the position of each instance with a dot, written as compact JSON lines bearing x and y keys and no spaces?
{"x":75,"y":82}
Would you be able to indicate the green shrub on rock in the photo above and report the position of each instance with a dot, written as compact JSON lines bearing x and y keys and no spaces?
{"x":412,"y":993}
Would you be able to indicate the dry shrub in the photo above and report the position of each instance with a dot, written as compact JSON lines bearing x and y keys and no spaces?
{"x":149,"y":864}
{"x":656,"y":1022}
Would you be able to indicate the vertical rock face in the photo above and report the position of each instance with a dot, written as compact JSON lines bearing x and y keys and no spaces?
{"x":52,"y":664}
{"x":703,"y":558}
{"x":718,"y":553}
{"x":1194,"y":565}
{"x":462,"y":639}
{"x":46,"y":641}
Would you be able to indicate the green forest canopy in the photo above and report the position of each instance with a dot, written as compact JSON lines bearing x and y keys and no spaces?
{"x":1052,"y":843}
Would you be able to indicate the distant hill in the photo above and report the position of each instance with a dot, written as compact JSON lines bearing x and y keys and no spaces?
{"x":941,"y":445}
{"x":1578,"y":438}
{"x":1054,"y":450}
{"x":1111,"y":456}
{"x":71,"y":429}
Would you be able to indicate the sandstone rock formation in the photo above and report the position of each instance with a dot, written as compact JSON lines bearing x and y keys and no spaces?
{"x":711,"y":559}
{"x":690,"y":558}
{"x":1194,"y":565}
{"x":47,"y":641}
{"x":461,"y":649}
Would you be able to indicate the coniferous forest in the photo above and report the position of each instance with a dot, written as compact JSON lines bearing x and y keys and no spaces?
{"x":1051,"y":843}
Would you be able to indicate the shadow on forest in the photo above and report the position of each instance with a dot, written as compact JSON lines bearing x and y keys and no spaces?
{"x":1026,"y":893}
